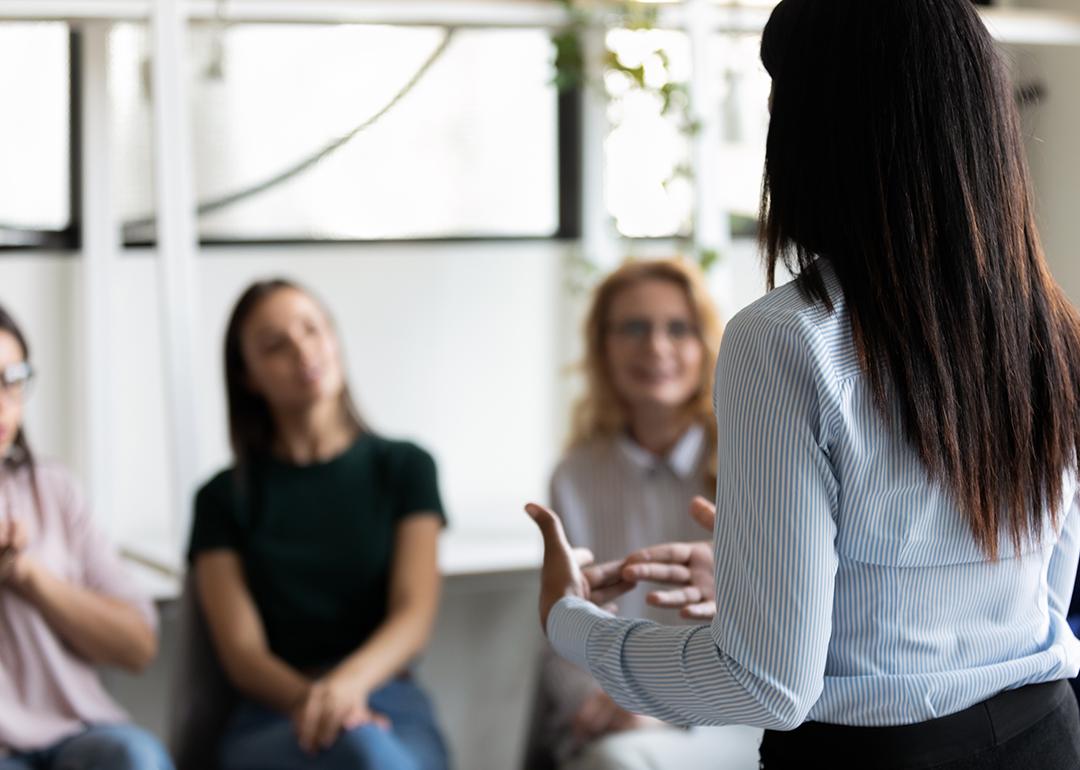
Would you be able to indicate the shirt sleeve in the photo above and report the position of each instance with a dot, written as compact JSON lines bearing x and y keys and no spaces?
{"x":102,"y":570}
{"x":1061,"y":575}
{"x":417,"y":484}
{"x":215,"y":524}
{"x":762,"y":661}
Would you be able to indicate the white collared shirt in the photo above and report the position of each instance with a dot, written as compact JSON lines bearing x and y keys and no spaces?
{"x":615,"y":497}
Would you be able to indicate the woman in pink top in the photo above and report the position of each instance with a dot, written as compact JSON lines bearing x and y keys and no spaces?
{"x":66,"y":606}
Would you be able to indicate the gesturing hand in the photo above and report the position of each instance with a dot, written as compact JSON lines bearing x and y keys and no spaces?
{"x":560,"y":575}
{"x":607,"y":581}
{"x":689,"y":566}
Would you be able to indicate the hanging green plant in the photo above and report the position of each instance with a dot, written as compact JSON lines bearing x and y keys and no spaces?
{"x":652,"y":76}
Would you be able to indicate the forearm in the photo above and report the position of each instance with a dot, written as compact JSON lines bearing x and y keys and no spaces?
{"x":103,"y":630}
{"x":266,"y":678}
{"x":676,"y":674}
{"x":390,"y":649}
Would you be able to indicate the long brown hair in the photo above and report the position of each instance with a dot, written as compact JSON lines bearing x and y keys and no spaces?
{"x":601,"y":412}
{"x":895,"y":152}
{"x":23,"y":456}
{"x":251,"y":424}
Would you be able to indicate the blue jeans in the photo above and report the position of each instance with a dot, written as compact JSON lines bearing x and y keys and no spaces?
{"x":106,"y":747}
{"x":260,"y":739}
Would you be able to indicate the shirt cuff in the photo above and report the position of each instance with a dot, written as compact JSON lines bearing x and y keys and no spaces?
{"x":569,"y":624}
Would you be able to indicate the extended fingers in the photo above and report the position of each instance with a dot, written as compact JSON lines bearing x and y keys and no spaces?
{"x":668,"y":553}
{"x":606,"y":582}
{"x":700,"y":611}
{"x":675,"y":599}
{"x":674,"y":574}
{"x":583,"y":556}
{"x":602,"y":575}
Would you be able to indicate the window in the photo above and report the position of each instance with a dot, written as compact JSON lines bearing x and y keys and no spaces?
{"x":650,"y":190}
{"x":35,"y":139}
{"x":647,"y":152}
{"x":470,"y":151}
{"x":744,"y":125}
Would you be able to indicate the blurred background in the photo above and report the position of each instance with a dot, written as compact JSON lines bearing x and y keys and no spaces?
{"x":450,"y":176}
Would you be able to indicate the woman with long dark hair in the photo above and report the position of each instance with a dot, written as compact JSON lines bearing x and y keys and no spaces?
{"x":898,"y":521}
{"x":315,"y":556}
{"x":67,"y":606}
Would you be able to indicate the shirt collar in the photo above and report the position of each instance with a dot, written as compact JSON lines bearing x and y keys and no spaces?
{"x":682,"y":459}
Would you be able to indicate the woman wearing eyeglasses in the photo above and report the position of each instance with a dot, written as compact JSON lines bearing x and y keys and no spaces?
{"x":897,"y":505}
{"x":66,"y":608}
{"x":643,"y":447}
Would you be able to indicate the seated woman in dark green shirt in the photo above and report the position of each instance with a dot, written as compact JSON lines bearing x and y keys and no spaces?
{"x":315,"y":556}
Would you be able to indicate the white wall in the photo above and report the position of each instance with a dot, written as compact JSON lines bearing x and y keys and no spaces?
{"x":1054,"y":148}
{"x":451,"y":346}
{"x":463,"y":348}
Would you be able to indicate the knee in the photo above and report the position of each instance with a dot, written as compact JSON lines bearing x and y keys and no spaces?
{"x":371,"y":748}
{"x":131,"y":748}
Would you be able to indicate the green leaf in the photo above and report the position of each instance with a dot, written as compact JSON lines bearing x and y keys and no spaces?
{"x":708,"y":259}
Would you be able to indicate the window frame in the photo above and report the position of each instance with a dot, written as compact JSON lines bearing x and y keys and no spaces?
{"x":569,"y":141}
{"x":68,"y":238}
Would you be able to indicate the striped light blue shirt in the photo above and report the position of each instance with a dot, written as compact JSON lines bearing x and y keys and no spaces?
{"x":849,"y":588}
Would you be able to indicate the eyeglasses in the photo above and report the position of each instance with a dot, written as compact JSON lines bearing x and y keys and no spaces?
{"x":642,"y":329}
{"x":15,"y":380}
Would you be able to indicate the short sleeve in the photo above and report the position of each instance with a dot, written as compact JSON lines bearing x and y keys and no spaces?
{"x":215,"y":524}
{"x":416,"y":482}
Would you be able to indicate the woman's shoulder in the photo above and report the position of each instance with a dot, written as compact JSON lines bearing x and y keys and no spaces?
{"x":51,"y":472}
{"x":791,"y":305}
{"x":54,"y":481}
{"x":790,"y":315}
{"x":395,"y":450}
{"x":400,"y":460}
{"x":219,"y":489}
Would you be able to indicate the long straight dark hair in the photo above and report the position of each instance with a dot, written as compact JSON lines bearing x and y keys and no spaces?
{"x":895,"y":152}
{"x":23,"y":456}
{"x":251,"y":424}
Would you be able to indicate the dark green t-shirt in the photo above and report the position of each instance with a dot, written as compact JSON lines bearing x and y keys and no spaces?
{"x":317,"y":541}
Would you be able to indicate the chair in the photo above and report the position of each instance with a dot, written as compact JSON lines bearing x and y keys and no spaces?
{"x":202,"y":698}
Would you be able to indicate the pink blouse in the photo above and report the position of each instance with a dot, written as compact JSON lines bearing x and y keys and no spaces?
{"x":48,"y":692}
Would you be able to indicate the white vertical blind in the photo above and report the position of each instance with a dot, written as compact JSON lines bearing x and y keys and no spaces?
{"x":100,"y":248}
{"x":176,"y":248}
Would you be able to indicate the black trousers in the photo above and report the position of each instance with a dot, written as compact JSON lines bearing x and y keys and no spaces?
{"x":1033,"y":728}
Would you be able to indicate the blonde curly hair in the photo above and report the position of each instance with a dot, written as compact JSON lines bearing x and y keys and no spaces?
{"x":601,"y":412}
